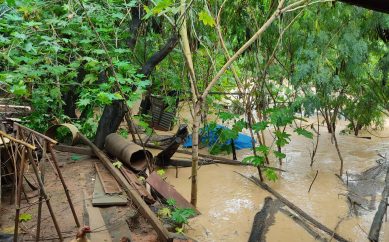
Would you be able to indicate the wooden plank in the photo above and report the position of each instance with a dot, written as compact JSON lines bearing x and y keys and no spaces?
{"x":109,"y":183}
{"x":163,"y":233}
{"x":100,"y":198}
{"x":74,"y":149}
{"x":134,"y":181}
{"x":167,"y":191}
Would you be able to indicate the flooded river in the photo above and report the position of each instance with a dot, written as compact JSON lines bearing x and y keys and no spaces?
{"x":228,"y":202}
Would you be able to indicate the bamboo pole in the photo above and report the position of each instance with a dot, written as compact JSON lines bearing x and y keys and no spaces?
{"x":46,"y":198}
{"x":18,"y":193}
{"x":54,"y":158}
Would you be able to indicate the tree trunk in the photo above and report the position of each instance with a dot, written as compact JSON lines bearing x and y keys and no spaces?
{"x":70,"y":98}
{"x":339,"y":154}
{"x":109,"y":121}
{"x":113,"y":115}
{"x":195,"y":151}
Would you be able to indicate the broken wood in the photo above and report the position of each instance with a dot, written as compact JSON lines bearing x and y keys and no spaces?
{"x":163,"y":233}
{"x":375,"y":228}
{"x":167,"y":191}
{"x":74,"y":149}
{"x":134,"y":181}
{"x":303,"y":224}
{"x":257,"y":231}
{"x":188,"y":163}
{"x":296,"y":209}
{"x":109,"y":183}
{"x":165,"y":155}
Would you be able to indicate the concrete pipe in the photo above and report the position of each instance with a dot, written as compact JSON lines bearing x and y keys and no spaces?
{"x":129,"y":153}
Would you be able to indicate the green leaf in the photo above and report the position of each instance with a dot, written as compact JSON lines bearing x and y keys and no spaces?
{"x":161,"y":172}
{"x":25,"y":217}
{"x":263,"y":149}
{"x":181,"y":215}
{"x":171,"y":202}
{"x":304,"y":132}
{"x":254,"y":160}
{"x":164,"y":212}
{"x":75,"y":157}
{"x":260,"y":126}
{"x":19,"y":89}
{"x":271,"y":174}
{"x":279,"y":154}
{"x":226,"y":116}
{"x":117,"y":164}
{"x":283,"y":138}
{"x":179,"y":230}
{"x":83,"y":102}
{"x":206,"y":18}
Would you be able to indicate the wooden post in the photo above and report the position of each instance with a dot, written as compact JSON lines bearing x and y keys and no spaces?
{"x":19,"y":193}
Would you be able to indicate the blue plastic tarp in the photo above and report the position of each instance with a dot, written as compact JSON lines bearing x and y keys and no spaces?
{"x":209,"y":137}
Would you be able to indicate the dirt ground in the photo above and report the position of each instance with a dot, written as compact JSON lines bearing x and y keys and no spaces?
{"x":107,"y":224}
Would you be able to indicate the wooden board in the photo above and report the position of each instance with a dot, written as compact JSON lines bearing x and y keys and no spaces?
{"x":137,"y":185}
{"x":100,"y":198}
{"x":167,"y":191}
{"x":109,"y":183}
{"x":74,"y":149}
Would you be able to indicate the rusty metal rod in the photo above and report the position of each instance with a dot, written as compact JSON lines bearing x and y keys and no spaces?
{"x":19,"y":193}
{"x":54,"y":159}
{"x":46,"y":198}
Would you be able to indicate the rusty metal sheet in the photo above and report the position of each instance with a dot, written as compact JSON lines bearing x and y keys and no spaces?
{"x":167,"y":191}
{"x":109,"y":183}
{"x":137,"y":185}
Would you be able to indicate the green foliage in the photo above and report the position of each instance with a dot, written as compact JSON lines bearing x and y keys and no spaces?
{"x":117,"y":164}
{"x":164,"y":212}
{"x":123,"y":133}
{"x":75,"y":157}
{"x":271,"y":175}
{"x":161,"y":172}
{"x":180,"y":216}
{"x":25,"y":217}
{"x":254,"y":160}
{"x":171,"y":202}
{"x":283,"y":138}
{"x":206,"y":18}
{"x":279,"y":155}
{"x":304,"y":132}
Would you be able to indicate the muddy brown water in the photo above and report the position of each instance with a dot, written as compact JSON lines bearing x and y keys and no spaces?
{"x":228,"y":202}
